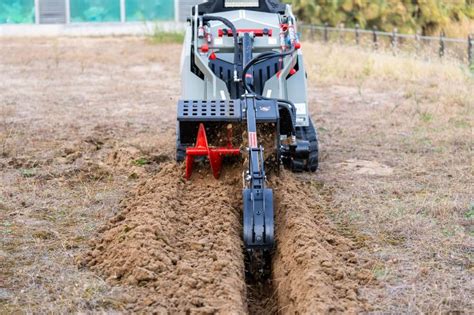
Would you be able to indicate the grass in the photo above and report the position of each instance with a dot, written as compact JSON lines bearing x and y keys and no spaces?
{"x":162,"y":37}
{"x":29,"y":172}
{"x":332,"y":63}
{"x":411,"y":115}
{"x":7,"y":128}
{"x":141,"y":161}
{"x":461,"y":29}
{"x":470,"y":213}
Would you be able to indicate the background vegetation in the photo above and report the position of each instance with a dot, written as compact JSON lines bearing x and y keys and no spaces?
{"x":455,"y":17}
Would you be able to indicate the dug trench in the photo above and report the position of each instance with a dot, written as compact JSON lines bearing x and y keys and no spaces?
{"x":177,"y":245}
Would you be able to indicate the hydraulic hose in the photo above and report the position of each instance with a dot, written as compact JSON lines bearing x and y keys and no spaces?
{"x":230,"y":25}
{"x":260,"y":58}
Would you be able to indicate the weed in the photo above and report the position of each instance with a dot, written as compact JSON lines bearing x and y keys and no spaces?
{"x":141,"y":161}
{"x":322,"y":129}
{"x":7,"y":228}
{"x":7,"y":129}
{"x":448,"y":232}
{"x":380,"y":272}
{"x":426,"y":117}
{"x":470,"y":212}
{"x":28,"y":172}
{"x":460,"y":123}
{"x":161,"y":37}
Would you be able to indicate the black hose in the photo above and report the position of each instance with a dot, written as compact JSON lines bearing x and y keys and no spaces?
{"x":230,"y":25}
{"x":288,"y":104}
{"x":262,"y":57}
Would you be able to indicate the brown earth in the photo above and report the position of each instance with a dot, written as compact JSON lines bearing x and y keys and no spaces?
{"x":179,"y":241}
{"x":316,"y":269}
{"x":96,"y":217}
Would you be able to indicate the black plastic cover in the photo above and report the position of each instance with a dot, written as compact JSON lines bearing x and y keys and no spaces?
{"x":214,"y":6}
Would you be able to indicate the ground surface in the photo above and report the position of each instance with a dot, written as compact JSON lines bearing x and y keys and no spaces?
{"x":95,"y":214}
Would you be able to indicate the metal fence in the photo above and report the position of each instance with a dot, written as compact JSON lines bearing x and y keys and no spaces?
{"x":426,"y":47}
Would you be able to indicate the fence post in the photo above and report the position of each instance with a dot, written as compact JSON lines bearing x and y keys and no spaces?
{"x":417,"y":42}
{"x":374,"y":37}
{"x":441,"y":44}
{"x":394,"y":40}
{"x":326,"y":35}
{"x":357,"y":34}
{"x":469,"y":50}
{"x":311,"y":31}
{"x":341,"y":28}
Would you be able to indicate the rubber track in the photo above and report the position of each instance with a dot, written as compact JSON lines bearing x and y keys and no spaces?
{"x":307,"y":133}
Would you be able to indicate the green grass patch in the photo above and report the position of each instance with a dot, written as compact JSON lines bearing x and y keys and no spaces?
{"x":28,"y":172}
{"x":470,"y":212}
{"x":426,"y":117}
{"x":460,"y":123}
{"x":161,"y":37}
{"x":141,"y":161}
{"x":380,"y":272}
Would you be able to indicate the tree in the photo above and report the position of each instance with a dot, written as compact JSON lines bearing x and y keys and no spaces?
{"x":409,"y":16}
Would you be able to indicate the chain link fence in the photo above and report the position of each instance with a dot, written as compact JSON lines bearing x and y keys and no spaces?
{"x":425,"y":47}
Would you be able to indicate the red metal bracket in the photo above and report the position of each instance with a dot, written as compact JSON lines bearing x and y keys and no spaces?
{"x":213,"y":154}
{"x":256,"y":31}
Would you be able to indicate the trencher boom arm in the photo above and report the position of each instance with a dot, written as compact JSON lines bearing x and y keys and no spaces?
{"x":241,"y":68}
{"x":257,"y":199}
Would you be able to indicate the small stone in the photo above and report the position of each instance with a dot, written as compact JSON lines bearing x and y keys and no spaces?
{"x":148,"y":301}
{"x":326,"y":263}
{"x":142,"y":274}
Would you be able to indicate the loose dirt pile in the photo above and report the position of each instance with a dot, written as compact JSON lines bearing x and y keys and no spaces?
{"x":180,"y":241}
{"x":179,"y":244}
{"x":314,"y":267}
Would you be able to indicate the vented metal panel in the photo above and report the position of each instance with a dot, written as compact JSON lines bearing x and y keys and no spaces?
{"x":213,"y":110}
{"x":52,"y":11}
{"x":261,"y":73}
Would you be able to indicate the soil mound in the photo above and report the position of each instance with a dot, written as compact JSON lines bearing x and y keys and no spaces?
{"x":178,"y":245}
{"x":314,"y":268}
{"x":180,"y":241}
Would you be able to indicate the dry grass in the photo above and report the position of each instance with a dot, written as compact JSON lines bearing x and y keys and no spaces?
{"x":333,"y":63}
{"x":66,"y":107}
{"x":396,"y":164}
{"x":415,"y":118}
{"x":461,"y":29}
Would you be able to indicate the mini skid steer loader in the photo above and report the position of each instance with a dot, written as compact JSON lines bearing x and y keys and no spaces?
{"x":244,"y":95}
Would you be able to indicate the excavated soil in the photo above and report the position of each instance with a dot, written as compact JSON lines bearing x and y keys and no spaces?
{"x":178,"y":240}
{"x":314,"y":268}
